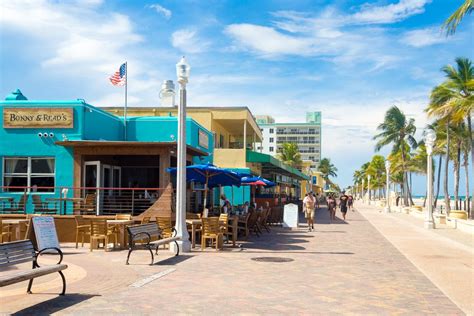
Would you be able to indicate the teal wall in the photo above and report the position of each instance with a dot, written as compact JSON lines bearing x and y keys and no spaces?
{"x":90,"y":123}
{"x":240,"y":194}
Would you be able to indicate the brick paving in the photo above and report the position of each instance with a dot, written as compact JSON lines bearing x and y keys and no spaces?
{"x":340,"y":268}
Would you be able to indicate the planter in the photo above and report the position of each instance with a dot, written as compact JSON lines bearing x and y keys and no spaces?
{"x":458,"y":214}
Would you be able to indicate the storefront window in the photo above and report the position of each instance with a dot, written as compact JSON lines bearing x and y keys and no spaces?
{"x":33,"y":173}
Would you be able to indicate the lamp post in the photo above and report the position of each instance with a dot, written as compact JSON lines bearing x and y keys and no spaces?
{"x":430,"y":138}
{"x":387,"y":190}
{"x":182,"y":71}
{"x":368,"y":188}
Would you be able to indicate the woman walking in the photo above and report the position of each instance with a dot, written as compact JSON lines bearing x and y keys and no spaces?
{"x":332,"y":207}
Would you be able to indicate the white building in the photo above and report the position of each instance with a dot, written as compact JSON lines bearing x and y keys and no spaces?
{"x":306,"y":135}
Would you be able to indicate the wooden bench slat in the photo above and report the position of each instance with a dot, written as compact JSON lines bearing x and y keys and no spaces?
{"x":164,"y":241}
{"x":30,"y":274}
{"x":18,"y":255}
{"x":22,"y":244}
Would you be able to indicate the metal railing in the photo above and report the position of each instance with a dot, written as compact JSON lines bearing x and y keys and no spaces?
{"x":77,"y":200}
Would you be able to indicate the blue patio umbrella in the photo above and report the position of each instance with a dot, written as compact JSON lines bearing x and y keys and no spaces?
{"x":210,"y":175}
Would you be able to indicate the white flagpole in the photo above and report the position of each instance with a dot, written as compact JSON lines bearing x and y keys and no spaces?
{"x":125,"y":110}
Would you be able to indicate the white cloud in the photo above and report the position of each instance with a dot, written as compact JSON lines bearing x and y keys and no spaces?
{"x":424,"y":37}
{"x":161,"y":10}
{"x":73,"y":34}
{"x":188,"y":41}
{"x":374,"y":14}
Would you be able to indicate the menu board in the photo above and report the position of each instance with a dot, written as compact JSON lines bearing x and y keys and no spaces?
{"x":45,"y":232}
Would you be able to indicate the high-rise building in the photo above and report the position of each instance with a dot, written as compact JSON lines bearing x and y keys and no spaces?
{"x":306,"y":135}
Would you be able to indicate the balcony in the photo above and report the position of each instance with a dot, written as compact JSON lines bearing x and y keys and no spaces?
{"x":230,"y":157}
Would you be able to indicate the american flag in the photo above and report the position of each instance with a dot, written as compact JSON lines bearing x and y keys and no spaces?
{"x":119,"y":78}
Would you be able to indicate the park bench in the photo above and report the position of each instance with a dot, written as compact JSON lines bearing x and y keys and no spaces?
{"x":141,"y":236}
{"x":17,"y":252}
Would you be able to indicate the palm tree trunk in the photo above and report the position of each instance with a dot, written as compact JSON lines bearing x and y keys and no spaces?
{"x":424,"y":200}
{"x":440,"y":163}
{"x":457,"y":169}
{"x":466,"y":174}
{"x":405,"y":182}
{"x":446,"y":172}
{"x":469,"y":127}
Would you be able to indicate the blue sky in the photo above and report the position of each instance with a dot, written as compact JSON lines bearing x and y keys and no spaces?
{"x":351,"y":60}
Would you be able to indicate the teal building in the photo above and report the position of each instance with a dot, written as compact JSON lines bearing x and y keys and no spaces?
{"x":49,"y":146}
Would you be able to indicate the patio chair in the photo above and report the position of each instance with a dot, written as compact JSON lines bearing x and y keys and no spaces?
{"x":145,"y":220}
{"x":125,"y":217}
{"x":5,"y":233}
{"x":223,"y":222}
{"x":42,"y":207}
{"x":232,"y":230}
{"x":252,"y":224}
{"x":243,"y":224}
{"x":100,"y":231}
{"x":83,"y":228}
{"x":164,"y":223}
{"x":211,"y":230}
{"x":88,"y":205}
{"x":18,"y":207}
{"x":262,"y":219}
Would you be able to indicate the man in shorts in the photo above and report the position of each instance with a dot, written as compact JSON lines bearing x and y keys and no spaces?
{"x":350,"y":203}
{"x":343,"y":199}
{"x":309,"y":203}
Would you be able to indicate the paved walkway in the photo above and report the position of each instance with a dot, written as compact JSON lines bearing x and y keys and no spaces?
{"x":445,"y":255}
{"x":341,"y":268}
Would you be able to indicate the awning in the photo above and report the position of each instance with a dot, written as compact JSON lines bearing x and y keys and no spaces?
{"x":272,"y":165}
{"x":193,"y":151}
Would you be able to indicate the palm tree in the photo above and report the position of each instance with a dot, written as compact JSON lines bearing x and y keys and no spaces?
{"x":290,"y":155}
{"x":327,"y":169}
{"x":453,"y":101}
{"x":399,"y":131}
{"x":453,"y":21}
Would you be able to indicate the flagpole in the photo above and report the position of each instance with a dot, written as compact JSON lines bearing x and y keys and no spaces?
{"x":125,"y":110}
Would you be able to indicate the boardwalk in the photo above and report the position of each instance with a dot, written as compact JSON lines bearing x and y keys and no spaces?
{"x":341,"y":267}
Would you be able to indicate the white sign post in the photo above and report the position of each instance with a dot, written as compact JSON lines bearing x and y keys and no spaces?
{"x":45,"y":232}
{"x":290,"y":216}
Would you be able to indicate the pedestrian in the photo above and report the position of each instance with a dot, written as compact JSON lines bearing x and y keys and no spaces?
{"x":332,"y":207}
{"x":350,"y":202}
{"x":309,"y":203}
{"x":343,"y":199}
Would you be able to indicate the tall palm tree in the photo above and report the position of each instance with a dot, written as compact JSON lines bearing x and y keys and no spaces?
{"x":453,"y":101}
{"x":327,"y":169}
{"x":453,"y":21}
{"x":290,"y":155}
{"x":398,"y":131}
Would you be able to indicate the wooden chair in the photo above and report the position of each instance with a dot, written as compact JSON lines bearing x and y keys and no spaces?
{"x":262,"y":219}
{"x":232,"y":230}
{"x":211,"y":230}
{"x":243,"y":224}
{"x":164,"y":223}
{"x":4,"y":233}
{"x":82,"y":228}
{"x":18,"y":207}
{"x":125,"y":217}
{"x":42,"y":207}
{"x":223,"y":222}
{"x":88,"y":205}
{"x":100,"y":231}
{"x":145,"y":219}
{"x":252,"y":223}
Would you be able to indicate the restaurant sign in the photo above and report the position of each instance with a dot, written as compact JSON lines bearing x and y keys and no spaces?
{"x":203,"y":139}
{"x":38,"y":117}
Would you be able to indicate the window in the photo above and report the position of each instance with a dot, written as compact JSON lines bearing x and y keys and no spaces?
{"x":271,"y":139}
{"x":271,"y":149}
{"x":221,"y":141}
{"x":271,"y":131}
{"x":29,"y":172}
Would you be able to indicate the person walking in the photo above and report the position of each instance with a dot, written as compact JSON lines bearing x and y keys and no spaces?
{"x":343,"y":200}
{"x":309,"y":203}
{"x":332,"y":207}
{"x":350,"y":202}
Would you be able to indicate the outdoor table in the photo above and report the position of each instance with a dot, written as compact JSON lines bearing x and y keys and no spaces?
{"x":121,"y":224}
{"x":14,"y":224}
{"x":194,"y":224}
{"x":62,"y":203}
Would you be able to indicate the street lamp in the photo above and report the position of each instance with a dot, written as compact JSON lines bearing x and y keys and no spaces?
{"x":182,"y":71}
{"x":387,"y":190}
{"x":430,"y":138}
{"x":368,"y":187}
